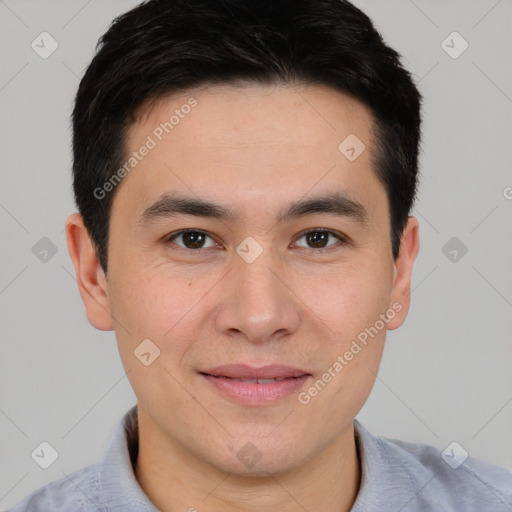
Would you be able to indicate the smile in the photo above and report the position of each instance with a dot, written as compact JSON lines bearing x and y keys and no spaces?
{"x":255,"y":386}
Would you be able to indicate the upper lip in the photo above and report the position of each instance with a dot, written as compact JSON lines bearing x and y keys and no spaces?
{"x":244,"y":371}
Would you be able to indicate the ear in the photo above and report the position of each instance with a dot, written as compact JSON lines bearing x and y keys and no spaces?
{"x":91,"y":279}
{"x":401,"y":293}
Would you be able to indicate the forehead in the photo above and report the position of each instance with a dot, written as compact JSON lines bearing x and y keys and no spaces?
{"x":254,"y":115}
{"x":252,"y":141}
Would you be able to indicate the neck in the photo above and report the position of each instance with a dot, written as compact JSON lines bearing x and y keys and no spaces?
{"x":174,"y":479}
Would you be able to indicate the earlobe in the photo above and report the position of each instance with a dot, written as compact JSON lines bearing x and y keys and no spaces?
{"x":89,"y":274}
{"x":402,"y":272}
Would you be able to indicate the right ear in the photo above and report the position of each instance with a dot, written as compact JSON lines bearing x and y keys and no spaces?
{"x":91,"y":279}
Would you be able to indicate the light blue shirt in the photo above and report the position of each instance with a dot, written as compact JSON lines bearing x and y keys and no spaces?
{"x":396,"y":477}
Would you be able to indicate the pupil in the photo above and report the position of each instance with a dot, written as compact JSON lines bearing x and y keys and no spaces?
{"x":318,"y":237}
{"x":193,"y":239}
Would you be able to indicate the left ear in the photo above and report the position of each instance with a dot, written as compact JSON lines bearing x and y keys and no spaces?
{"x":401,"y":294}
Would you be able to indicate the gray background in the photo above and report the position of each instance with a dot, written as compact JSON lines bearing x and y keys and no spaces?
{"x":446,"y":374}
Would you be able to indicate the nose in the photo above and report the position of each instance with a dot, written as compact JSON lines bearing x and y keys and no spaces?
{"x":257,"y":304}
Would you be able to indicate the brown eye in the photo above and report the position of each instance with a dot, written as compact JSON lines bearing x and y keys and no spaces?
{"x":319,"y":239}
{"x":191,"y":239}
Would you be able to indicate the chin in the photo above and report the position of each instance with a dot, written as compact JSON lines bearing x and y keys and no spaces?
{"x":260,"y":459}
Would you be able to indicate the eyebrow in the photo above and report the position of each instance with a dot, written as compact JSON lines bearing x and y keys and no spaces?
{"x":168,"y":206}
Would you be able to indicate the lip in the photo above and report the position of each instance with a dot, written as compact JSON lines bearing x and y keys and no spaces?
{"x":226,"y":380}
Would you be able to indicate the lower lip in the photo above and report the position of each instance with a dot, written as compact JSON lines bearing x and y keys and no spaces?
{"x":253,"y":393}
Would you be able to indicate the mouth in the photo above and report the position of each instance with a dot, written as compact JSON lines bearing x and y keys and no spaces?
{"x":255,"y":386}
{"x":251,"y":381}
{"x":244,"y":372}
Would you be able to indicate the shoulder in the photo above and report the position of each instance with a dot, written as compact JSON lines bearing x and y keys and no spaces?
{"x":426,"y":478}
{"x":77,"y":492}
{"x":463,"y":482}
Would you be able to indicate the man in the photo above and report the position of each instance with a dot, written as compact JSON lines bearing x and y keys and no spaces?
{"x":244,"y":172}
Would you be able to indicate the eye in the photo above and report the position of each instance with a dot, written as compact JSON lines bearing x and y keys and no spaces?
{"x":191,"y":239}
{"x":318,"y":239}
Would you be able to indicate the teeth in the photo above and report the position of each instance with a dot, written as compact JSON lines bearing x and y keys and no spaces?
{"x":260,"y":381}
{"x":254,"y":381}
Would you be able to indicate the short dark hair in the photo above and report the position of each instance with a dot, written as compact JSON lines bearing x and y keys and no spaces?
{"x":166,"y":46}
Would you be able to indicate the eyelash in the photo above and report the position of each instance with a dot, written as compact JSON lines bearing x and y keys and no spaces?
{"x":341,"y":238}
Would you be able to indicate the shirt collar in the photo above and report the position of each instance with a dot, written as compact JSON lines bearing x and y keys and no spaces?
{"x":122,"y":492}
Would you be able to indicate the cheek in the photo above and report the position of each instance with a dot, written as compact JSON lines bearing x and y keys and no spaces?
{"x":348,"y":299}
{"x":352,"y":302}
{"x":158,"y":307}
{"x":163,"y":309}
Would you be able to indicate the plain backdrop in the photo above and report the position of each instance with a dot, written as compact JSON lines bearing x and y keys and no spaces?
{"x":446,"y":374}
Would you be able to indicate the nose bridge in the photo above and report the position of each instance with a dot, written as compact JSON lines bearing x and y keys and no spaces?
{"x":256,"y":303}
{"x":257,"y":285}
{"x":257,"y":288}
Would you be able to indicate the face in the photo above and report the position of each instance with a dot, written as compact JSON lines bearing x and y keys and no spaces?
{"x":277,"y":254}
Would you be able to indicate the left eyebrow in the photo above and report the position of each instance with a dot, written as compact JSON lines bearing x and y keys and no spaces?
{"x":338,"y":204}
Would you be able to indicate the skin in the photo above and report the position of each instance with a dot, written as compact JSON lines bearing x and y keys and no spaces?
{"x":255,"y":149}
